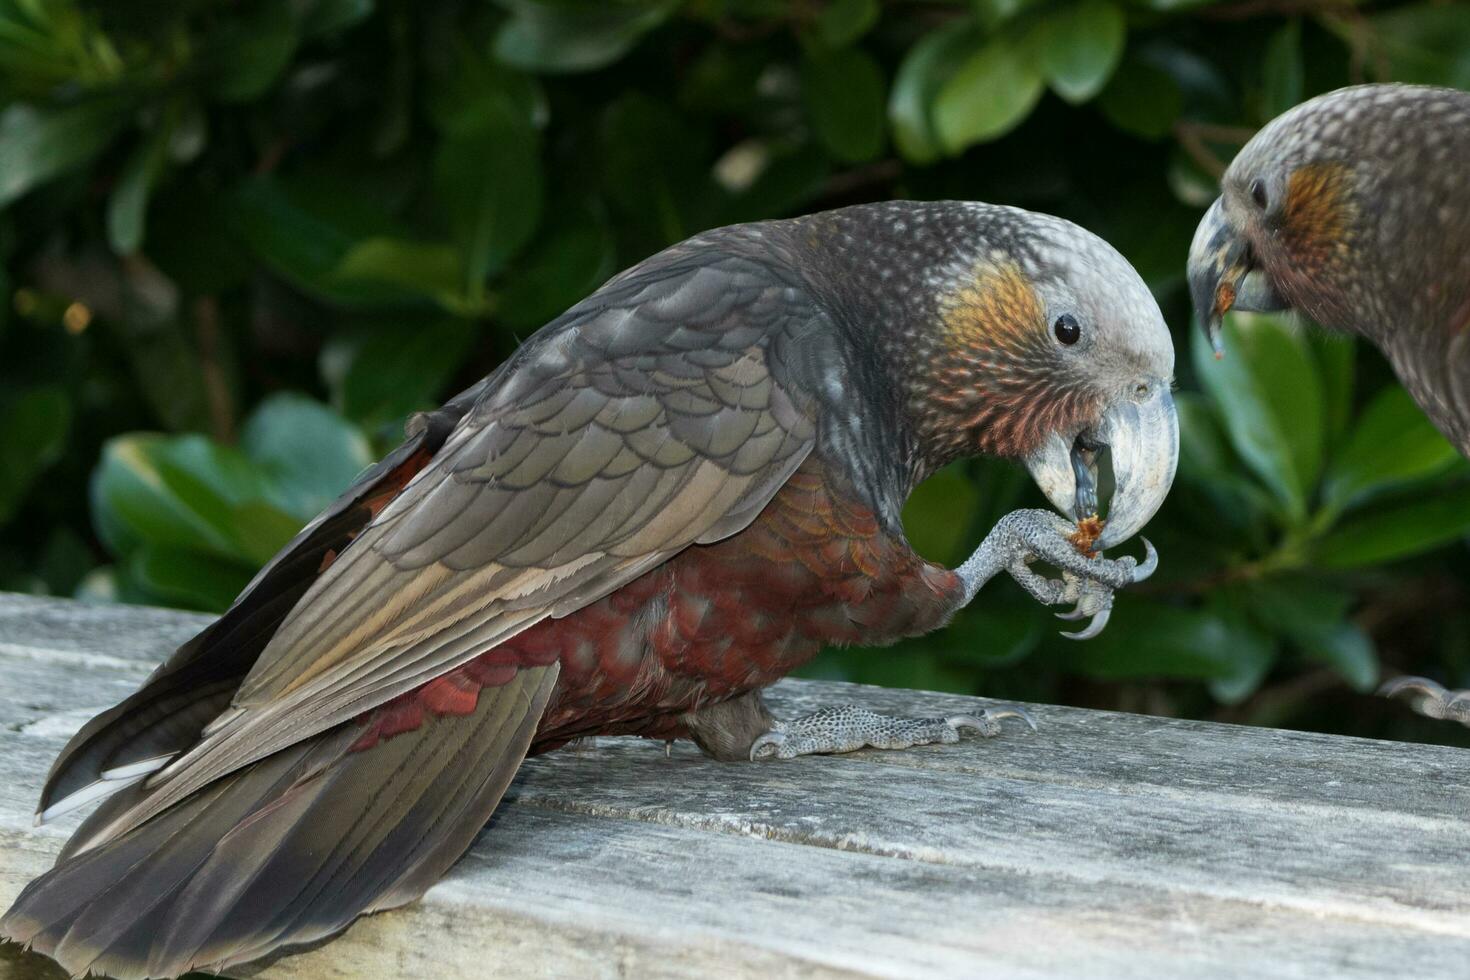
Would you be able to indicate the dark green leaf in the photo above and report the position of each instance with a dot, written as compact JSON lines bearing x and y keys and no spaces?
{"x":381,"y":375}
{"x":844,"y":95}
{"x":842,"y":22}
{"x":39,"y":143}
{"x":556,"y":273}
{"x":1397,"y":531}
{"x":251,"y":50}
{"x":1082,"y":46}
{"x":937,"y":514}
{"x":175,"y":577}
{"x":989,"y":94}
{"x":1393,"y":443}
{"x":488,"y":182}
{"x":1142,"y":99}
{"x":1336,"y":356}
{"x":433,"y":269}
{"x":127,"y":206}
{"x":309,"y":453}
{"x":326,"y":16}
{"x":294,"y":232}
{"x":33,"y":430}
{"x":1426,"y":43}
{"x":1269,"y":397}
{"x":1314,"y":616}
{"x":1282,"y":71}
{"x":1150,"y":639}
{"x":547,"y":36}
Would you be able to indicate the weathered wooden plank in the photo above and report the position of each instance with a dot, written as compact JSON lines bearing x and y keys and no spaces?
{"x":1105,"y":845}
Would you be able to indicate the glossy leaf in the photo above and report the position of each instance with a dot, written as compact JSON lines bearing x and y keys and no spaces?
{"x":308,"y":453}
{"x":842,"y":22}
{"x":1282,"y":71}
{"x":1314,"y":617}
{"x":547,"y":36}
{"x":1393,"y":443}
{"x":1149,"y":639}
{"x":39,"y":143}
{"x":127,"y":207}
{"x":187,"y":580}
{"x":1082,"y":46}
{"x":925,"y":68}
{"x":1142,"y":99}
{"x":1269,"y":397}
{"x":488,"y":181}
{"x":1391,"y":532}
{"x":844,"y":95}
{"x":252,"y":49}
{"x":433,"y":269}
{"x":990,"y":93}
{"x":34,"y":424}
{"x":383,"y":373}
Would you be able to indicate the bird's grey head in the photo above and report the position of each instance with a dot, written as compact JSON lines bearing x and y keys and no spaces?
{"x":1044,"y":344}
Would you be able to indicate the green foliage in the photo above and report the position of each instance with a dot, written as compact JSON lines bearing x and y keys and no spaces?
{"x":242,"y":242}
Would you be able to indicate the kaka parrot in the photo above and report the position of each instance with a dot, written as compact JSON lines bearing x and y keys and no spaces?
{"x":669,"y":497}
{"x":1354,"y":208}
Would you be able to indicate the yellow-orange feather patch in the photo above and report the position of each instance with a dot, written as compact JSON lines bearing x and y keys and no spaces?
{"x":998,"y":309}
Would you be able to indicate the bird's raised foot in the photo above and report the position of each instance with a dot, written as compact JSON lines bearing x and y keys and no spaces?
{"x":1087,"y":583}
{"x":850,"y":727}
{"x":1430,"y":699}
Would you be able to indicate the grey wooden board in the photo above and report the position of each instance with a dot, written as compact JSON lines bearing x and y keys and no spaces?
{"x":1105,"y":845}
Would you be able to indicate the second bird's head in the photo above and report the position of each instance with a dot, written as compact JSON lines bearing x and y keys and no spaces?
{"x":1348,"y":208}
{"x":1024,"y":336}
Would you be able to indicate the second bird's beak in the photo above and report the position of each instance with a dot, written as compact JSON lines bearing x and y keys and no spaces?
{"x":1142,"y":432}
{"x":1223,"y":275}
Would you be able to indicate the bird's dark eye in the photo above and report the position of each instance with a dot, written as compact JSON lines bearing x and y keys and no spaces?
{"x":1258,"y":193}
{"x":1066,"y":329}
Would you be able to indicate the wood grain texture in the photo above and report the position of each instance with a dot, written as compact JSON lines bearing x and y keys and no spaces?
{"x":1105,"y":845}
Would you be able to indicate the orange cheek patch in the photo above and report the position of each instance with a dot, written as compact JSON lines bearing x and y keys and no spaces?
{"x":999,"y":309}
{"x":1317,"y":213}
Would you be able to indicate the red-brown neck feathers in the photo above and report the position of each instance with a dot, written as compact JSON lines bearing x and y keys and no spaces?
{"x":992,"y":383}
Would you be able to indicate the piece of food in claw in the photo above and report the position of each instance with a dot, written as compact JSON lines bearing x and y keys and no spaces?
{"x":1089,"y":529}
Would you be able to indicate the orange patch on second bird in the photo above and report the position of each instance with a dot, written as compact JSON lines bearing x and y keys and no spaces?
{"x":1317,"y":210}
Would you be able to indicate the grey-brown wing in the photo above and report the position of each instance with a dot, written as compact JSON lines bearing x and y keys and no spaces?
{"x":665,"y":410}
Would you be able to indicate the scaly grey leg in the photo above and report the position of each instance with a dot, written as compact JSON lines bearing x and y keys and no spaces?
{"x":850,"y":727}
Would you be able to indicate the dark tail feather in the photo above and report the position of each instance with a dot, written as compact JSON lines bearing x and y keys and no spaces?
{"x":285,"y":852}
{"x":194,"y":685}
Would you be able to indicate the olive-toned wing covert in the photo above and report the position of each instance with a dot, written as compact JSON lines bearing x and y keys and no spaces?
{"x":665,"y":410}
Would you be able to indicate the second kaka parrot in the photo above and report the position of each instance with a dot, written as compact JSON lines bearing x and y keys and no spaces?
{"x":669,"y":497}
{"x":1354,"y":208}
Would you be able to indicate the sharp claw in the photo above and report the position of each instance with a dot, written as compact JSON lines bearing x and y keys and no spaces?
{"x":999,"y":713}
{"x":1414,"y":685}
{"x":771,"y":741}
{"x":1073,"y":614}
{"x":1095,"y":627}
{"x":1149,"y":564}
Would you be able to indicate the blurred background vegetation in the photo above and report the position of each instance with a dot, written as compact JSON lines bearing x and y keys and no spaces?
{"x":242,"y":240}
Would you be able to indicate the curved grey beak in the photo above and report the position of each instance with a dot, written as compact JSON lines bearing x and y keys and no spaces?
{"x":1223,"y":275}
{"x":1143,"y":434}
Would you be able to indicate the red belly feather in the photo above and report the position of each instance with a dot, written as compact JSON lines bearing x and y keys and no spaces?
{"x":815,"y":568}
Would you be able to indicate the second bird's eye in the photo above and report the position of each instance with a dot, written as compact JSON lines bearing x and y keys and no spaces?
{"x":1066,"y":329}
{"x":1258,"y":193}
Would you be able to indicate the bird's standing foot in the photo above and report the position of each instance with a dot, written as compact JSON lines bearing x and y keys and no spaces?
{"x":850,"y":727}
{"x":1430,"y":699}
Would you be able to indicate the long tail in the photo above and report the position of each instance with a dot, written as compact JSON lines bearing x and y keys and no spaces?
{"x":287,"y":851}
